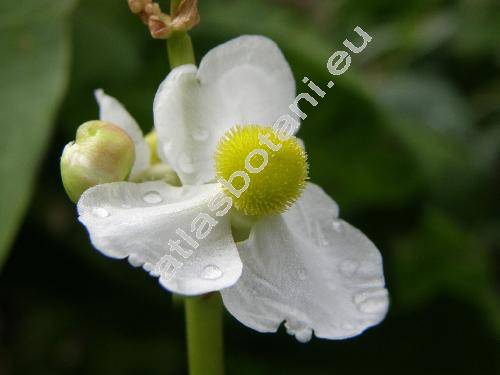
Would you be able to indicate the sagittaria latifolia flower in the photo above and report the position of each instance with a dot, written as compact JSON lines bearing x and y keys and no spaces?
{"x":297,"y":263}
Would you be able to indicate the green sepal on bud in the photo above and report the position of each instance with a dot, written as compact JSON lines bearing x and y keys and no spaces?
{"x":101,"y":153}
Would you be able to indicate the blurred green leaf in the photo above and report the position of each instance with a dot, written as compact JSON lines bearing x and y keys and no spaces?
{"x":435,"y":123}
{"x":34,"y":50}
{"x":430,"y":101}
{"x":487,"y":149}
{"x":442,"y":258}
{"x":479,"y":27}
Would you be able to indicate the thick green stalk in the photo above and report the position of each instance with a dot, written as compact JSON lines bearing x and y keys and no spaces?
{"x":179,"y":46}
{"x":180,"y":49}
{"x":204,"y":334}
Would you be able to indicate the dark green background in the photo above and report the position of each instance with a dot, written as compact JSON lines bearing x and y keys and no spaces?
{"x":407,"y":143}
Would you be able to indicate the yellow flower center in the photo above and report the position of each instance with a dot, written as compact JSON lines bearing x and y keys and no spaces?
{"x":262,"y":173}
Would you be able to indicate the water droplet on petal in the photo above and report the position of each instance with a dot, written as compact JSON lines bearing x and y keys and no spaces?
{"x":348,"y":267}
{"x":152,"y":197}
{"x":321,"y":238}
{"x":167,"y":146}
{"x":373,"y":305}
{"x":100,"y":212}
{"x":211,"y":272}
{"x":185,"y":163}
{"x":338,"y":226}
{"x":302,"y":274}
{"x":370,"y":293}
{"x":134,"y":260}
{"x":347,"y":326}
{"x":303,"y":335}
{"x":200,"y":134}
{"x":299,"y":329}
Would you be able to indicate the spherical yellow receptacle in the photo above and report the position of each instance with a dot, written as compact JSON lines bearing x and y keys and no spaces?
{"x":101,"y":153}
{"x":263,"y":174}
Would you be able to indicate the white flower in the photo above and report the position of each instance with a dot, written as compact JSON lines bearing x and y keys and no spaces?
{"x":305,"y":266}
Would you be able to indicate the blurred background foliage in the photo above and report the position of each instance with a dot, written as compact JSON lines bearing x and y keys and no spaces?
{"x":408,"y":143}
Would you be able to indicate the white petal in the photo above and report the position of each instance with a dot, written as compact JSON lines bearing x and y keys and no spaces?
{"x":311,"y":270}
{"x":138,"y":220}
{"x":244,"y":81}
{"x":111,"y":110}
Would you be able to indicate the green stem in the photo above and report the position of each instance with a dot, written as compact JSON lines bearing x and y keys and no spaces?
{"x":179,"y":46}
{"x":204,"y":334}
{"x":203,"y":313}
{"x":180,"y":49}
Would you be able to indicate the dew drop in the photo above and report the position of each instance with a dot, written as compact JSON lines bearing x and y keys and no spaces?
{"x":348,"y":267}
{"x":185,"y":163}
{"x":200,"y":134}
{"x":211,"y":272}
{"x":322,"y":241}
{"x":338,"y":226}
{"x":348,"y":326}
{"x":100,"y":212}
{"x":302,"y":274}
{"x":303,"y":335}
{"x":167,"y":146}
{"x":373,"y":305}
{"x":299,"y":329}
{"x":152,"y":197}
{"x":371,"y":293}
{"x":134,"y":260}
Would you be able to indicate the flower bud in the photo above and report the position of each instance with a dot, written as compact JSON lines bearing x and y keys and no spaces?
{"x":101,"y":153}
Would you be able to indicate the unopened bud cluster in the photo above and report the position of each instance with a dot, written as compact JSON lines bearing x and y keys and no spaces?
{"x":161,"y":25}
